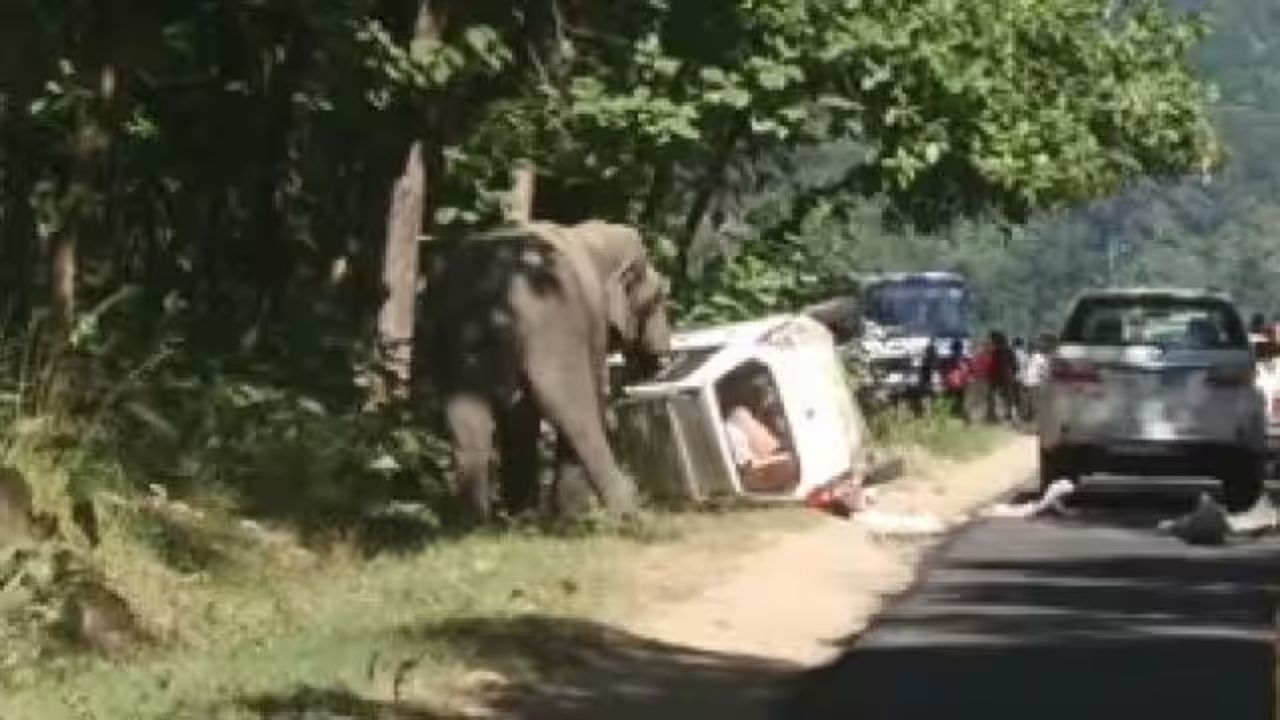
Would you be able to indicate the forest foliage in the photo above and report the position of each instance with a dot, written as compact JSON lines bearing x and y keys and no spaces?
{"x":198,"y":197}
{"x":1218,"y":231}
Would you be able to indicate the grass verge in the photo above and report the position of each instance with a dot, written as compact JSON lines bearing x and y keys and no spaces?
{"x":936,"y":431}
{"x":256,"y":638}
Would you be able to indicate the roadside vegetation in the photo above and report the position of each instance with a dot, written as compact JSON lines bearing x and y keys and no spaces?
{"x":237,"y":490}
{"x":936,"y":431}
{"x":272,"y":624}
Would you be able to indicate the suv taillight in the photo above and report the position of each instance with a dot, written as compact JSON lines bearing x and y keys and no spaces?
{"x":1075,"y":371}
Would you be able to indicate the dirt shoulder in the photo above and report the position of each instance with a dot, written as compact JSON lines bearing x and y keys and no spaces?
{"x":716,"y":631}
{"x":800,"y":592}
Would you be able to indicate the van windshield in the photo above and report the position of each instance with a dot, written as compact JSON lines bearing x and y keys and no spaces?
{"x":918,"y":307}
{"x":1166,"y":322}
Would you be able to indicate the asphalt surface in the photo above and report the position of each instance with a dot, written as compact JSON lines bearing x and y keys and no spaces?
{"x":1090,"y":618}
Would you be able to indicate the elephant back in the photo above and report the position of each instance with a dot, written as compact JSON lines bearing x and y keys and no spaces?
{"x":471,"y":316}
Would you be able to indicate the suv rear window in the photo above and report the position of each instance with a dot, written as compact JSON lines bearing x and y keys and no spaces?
{"x":1192,"y":324}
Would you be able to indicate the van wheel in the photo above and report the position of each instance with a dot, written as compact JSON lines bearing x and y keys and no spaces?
{"x":1242,"y":486}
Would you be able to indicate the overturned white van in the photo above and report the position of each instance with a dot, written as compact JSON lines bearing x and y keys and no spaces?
{"x":672,"y":431}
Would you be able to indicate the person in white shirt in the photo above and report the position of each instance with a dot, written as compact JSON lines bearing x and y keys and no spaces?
{"x":1031,"y":375}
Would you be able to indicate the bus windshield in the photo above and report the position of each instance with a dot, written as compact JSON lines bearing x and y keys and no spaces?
{"x":935,"y":309}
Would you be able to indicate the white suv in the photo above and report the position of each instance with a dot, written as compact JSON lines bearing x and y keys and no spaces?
{"x":1155,"y":382}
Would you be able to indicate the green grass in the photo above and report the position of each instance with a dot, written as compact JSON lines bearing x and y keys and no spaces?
{"x":937,"y":432}
{"x":257,"y":629}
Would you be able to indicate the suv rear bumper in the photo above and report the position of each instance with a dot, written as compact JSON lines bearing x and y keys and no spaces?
{"x":1160,"y":459}
{"x":1273,"y":441}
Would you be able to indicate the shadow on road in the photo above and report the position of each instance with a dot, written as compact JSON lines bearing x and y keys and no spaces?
{"x":560,"y":669}
{"x":566,"y":668}
{"x":1051,"y":620}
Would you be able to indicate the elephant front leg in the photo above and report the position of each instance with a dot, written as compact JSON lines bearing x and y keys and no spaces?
{"x":471,"y":425}
{"x":572,"y":402}
{"x":572,"y":491}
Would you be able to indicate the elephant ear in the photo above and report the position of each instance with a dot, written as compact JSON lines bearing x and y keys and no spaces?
{"x":619,"y":306}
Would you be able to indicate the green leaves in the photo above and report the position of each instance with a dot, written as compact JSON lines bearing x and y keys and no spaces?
{"x":426,"y":64}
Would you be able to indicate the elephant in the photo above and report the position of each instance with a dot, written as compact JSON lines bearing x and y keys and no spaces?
{"x":520,"y":322}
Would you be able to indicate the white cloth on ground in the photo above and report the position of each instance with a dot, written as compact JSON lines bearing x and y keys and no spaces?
{"x":1052,"y":499}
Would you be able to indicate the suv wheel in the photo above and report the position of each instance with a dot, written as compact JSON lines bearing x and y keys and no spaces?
{"x":1054,"y":467}
{"x":1242,"y":484}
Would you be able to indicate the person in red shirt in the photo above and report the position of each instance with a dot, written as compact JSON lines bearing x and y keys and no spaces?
{"x":957,"y":373}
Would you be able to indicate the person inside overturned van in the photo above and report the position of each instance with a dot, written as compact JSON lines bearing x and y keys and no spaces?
{"x":755,"y":428}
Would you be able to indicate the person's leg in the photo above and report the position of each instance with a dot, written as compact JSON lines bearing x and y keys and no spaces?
{"x":962,"y":403}
{"x":1006,"y":401}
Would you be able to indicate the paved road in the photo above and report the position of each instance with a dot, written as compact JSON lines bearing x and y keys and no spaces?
{"x":1095,"y":618}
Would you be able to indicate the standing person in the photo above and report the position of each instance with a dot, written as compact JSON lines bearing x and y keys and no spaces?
{"x":1019,"y":389}
{"x":924,"y":380}
{"x":1002,"y":389}
{"x":1020,"y":353}
{"x":956,"y":375}
{"x":1258,"y":324}
{"x":981,"y":374}
{"x":1032,"y":375}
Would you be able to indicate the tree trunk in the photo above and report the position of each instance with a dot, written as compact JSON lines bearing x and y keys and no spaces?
{"x":62,"y":281}
{"x":18,"y":236}
{"x":87,"y":148}
{"x":705,"y":194}
{"x":400,"y":278}
{"x":410,"y":201}
{"x":272,"y":193}
{"x":519,"y":202}
{"x":87,"y":160}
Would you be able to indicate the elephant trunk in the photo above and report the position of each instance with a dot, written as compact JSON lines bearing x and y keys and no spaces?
{"x":642,"y":366}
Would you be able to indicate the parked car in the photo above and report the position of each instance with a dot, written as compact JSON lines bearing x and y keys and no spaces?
{"x":673,"y":431}
{"x":1155,"y":382}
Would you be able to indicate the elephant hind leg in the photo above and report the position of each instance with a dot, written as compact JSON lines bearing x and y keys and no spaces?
{"x":471,"y":425}
{"x":519,"y":433}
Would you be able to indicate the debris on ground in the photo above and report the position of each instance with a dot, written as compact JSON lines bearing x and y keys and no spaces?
{"x":858,"y":504}
{"x":1052,"y":502}
{"x":1207,"y":524}
{"x":1210,"y":523}
{"x":887,"y":523}
{"x":1261,"y":519}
